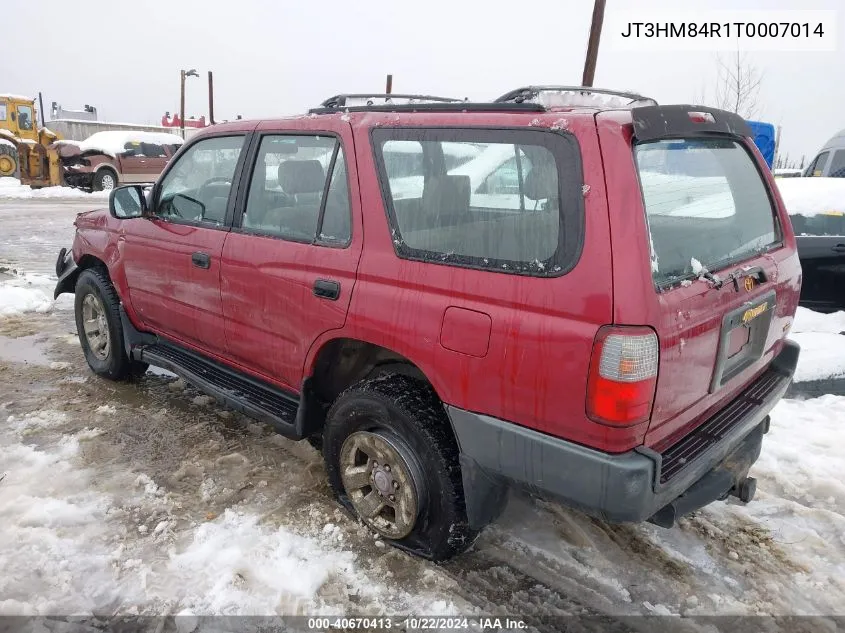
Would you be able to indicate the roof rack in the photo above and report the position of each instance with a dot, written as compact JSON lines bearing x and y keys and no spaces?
{"x":435,"y":106}
{"x":567,"y":96}
{"x":358,"y":100}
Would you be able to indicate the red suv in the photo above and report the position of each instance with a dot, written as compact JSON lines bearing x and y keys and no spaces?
{"x":580,"y":293}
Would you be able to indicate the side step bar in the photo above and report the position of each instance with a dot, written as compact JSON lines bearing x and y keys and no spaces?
{"x":245,"y":394}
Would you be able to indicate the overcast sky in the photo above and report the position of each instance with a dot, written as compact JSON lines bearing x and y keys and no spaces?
{"x":281,"y":57}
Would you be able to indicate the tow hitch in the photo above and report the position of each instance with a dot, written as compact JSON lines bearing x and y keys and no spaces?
{"x":744,"y":490}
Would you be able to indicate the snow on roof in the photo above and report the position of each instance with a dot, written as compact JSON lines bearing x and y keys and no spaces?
{"x":836,"y":141}
{"x":113,"y":142}
{"x":812,"y":196}
{"x":15,"y":97}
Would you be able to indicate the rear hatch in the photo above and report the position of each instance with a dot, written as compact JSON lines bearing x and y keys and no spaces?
{"x":723,"y":277}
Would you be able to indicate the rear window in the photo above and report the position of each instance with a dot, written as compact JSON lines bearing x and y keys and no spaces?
{"x":706,"y":201}
{"x":504,"y":200}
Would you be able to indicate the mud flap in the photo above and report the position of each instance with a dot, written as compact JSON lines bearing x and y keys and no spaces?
{"x":485,"y":495}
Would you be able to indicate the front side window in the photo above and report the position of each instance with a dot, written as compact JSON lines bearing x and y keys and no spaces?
{"x":837,"y":165}
{"x":512,"y":204}
{"x":817,"y":168}
{"x":25,"y":117}
{"x":2,"y":111}
{"x":705,"y":200}
{"x":299,"y":191}
{"x":153,"y":150}
{"x":132,"y":148}
{"x":197,"y":188}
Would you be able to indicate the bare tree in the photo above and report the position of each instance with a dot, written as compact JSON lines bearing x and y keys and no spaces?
{"x":737,"y":86}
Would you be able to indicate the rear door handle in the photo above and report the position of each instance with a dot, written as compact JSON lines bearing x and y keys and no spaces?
{"x":839,"y":248}
{"x":201,"y":260}
{"x":327,"y":289}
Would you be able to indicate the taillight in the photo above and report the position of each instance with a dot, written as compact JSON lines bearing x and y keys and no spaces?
{"x":623,"y":375}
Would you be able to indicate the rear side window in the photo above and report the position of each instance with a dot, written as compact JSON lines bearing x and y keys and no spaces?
{"x":705,"y":201}
{"x":503,"y":200}
{"x":2,"y":111}
{"x":299,"y":190}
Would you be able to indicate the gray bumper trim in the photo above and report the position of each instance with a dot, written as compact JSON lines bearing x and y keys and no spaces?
{"x":623,"y":487}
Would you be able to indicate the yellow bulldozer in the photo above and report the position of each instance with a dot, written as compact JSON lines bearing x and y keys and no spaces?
{"x":25,"y":148}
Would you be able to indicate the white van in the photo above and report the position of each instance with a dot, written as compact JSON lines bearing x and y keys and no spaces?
{"x":830,"y":161}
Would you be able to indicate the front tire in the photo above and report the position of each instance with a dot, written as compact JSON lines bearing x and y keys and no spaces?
{"x":97,"y":311}
{"x":105,"y":180}
{"x":392,"y":460}
{"x":8,"y":161}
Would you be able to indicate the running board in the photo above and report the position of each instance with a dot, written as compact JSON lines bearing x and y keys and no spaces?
{"x":248,"y":395}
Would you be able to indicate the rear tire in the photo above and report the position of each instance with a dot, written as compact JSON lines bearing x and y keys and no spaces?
{"x":8,"y":161}
{"x":392,"y":460}
{"x":105,"y":180}
{"x":97,"y":311}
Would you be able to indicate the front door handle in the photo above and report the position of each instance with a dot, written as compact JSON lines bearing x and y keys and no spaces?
{"x":327,"y":289}
{"x":201,"y":260}
{"x":839,"y":248}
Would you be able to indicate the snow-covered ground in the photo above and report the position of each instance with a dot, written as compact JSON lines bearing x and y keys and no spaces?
{"x":151,"y":499}
{"x":30,"y":293}
{"x":822,"y":340}
{"x":11,"y":188}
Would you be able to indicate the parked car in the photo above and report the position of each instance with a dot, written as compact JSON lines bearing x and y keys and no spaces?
{"x":816,"y":207}
{"x":575,"y":336}
{"x":108,"y":159}
{"x":830,"y":161}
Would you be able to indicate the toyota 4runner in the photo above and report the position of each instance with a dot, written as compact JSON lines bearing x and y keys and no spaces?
{"x":577,"y":292}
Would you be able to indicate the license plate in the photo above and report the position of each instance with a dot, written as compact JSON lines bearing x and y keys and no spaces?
{"x":742,"y":339}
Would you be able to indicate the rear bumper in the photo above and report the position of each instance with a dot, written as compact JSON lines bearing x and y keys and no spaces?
{"x":633,"y":486}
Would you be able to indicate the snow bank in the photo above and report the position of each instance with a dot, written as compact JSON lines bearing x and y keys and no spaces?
{"x":16,"y":300}
{"x":11,"y":188}
{"x":822,"y":356}
{"x":113,"y":143}
{"x":812,"y":196}
{"x":811,"y":321}
{"x":31,"y":293}
{"x":803,"y":454}
{"x":822,"y":345}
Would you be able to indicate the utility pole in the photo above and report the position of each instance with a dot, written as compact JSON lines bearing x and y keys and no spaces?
{"x":210,"y":99}
{"x":184,"y":74}
{"x":593,"y":45}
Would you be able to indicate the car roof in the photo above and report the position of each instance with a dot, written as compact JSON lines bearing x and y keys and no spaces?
{"x":512,"y":107}
{"x":836,"y":142}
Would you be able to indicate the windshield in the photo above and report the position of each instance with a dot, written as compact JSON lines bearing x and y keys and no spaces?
{"x":706,"y":203}
{"x":24,"y":117}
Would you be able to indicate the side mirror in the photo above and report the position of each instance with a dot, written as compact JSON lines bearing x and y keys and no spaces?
{"x":128,"y":202}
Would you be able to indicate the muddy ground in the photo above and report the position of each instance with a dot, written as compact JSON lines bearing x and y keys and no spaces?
{"x":173,"y":464}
